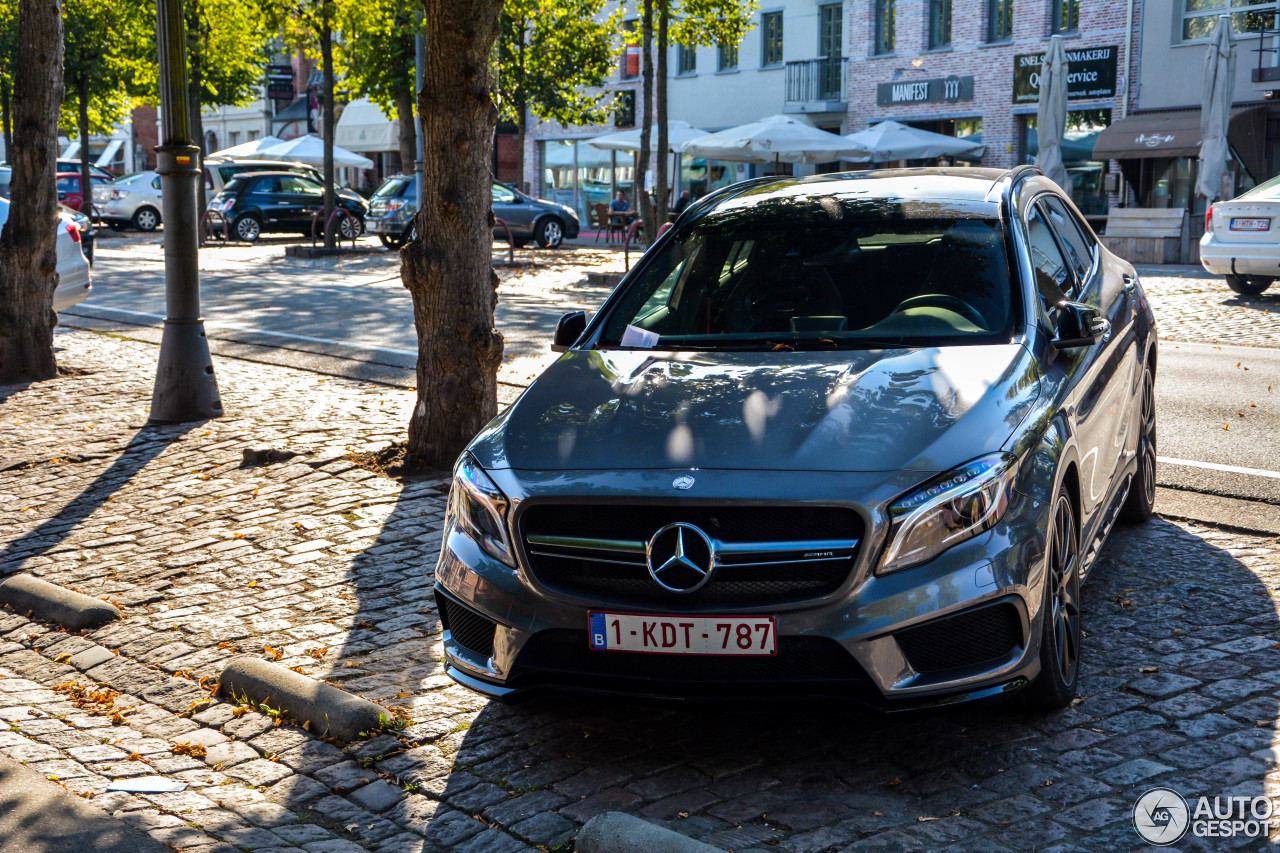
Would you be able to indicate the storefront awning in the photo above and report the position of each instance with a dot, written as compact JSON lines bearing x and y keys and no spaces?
{"x":1176,"y":133}
{"x":363,"y":127}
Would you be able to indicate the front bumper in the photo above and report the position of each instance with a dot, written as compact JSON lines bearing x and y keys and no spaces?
{"x":850,"y":645}
{"x":1219,"y":258}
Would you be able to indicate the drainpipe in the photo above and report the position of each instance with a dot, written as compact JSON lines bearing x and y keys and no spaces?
{"x":1128,"y":60}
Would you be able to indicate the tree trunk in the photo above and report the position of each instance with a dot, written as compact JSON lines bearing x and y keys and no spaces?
{"x":646,"y":118}
{"x":5,"y":106}
{"x":408,"y":137}
{"x":448,"y":270}
{"x":28,"y":243}
{"x":326,"y":53}
{"x":86,"y":185}
{"x":660,"y":191}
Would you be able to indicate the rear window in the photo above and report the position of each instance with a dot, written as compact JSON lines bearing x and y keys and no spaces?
{"x":822,"y":273}
{"x":394,"y":188}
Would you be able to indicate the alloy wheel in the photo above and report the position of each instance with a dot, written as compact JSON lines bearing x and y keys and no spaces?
{"x":1148,"y":460}
{"x":552,"y":234}
{"x":248,"y":229}
{"x":1064,"y":591}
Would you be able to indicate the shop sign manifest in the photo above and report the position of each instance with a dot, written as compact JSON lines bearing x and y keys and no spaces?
{"x":280,"y":82}
{"x":937,"y":91}
{"x":1091,"y":73}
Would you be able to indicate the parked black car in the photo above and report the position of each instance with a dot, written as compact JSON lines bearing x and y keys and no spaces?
{"x":280,"y":201}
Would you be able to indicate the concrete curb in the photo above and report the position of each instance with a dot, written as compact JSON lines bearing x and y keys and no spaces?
{"x":330,"y":711}
{"x":72,"y":610}
{"x":615,"y":832}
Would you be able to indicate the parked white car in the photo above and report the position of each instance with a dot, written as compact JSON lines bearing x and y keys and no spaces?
{"x":1242,"y":239}
{"x":74,"y":279}
{"x":131,"y":200}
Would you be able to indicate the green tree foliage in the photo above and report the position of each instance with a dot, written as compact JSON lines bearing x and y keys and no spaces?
{"x":551,"y":54}
{"x":227,"y":52}
{"x":108,"y":58}
{"x":8,"y":58}
{"x":375,"y":59}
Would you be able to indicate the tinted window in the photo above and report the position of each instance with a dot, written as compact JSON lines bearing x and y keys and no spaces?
{"x":155,"y":182}
{"x":265,"y":185}
{"x":1053,"y":278}
{"x":1078,"y":249}
{"x":502,"y":195}
{"x":68,"y":185}
{"x":394,"y":188}
{"x":822,"y":274}
{"x":299,"y":185}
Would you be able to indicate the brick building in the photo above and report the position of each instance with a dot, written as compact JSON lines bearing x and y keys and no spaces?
{"x":971,"y":67}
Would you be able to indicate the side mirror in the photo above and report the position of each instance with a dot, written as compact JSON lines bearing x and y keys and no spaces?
{"x":1079,"y":325}
{"x":568,"y":330}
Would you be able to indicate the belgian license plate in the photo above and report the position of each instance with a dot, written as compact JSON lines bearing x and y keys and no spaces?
{"x":1249,"y":224}
{"x":683,"y":635}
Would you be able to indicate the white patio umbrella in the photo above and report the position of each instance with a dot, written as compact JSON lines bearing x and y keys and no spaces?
{"x":890,"y":140}
{"x":247,"y":149}
{"x":678,"y":133}
{"x":1215,"y":109}
{"x":778,"y":138}
{"x":1051,"y":113}
{"x":310,"y":149}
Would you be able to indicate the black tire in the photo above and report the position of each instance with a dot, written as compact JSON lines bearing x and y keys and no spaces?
{"x":247,"y":228}
{"x":550,"y":233}
{"x":1142,"y":491}
{"x":392,"y":243}
{"x":146,"y":219}
{"x":1055,"y":686}
{"x":1249,"y":285}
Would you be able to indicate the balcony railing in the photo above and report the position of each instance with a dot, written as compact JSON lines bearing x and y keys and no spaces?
{"x":816,"y":79}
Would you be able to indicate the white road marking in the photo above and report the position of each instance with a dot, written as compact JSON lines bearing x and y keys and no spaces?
{"x":1214,"y":466}
{"x":217,"y":326}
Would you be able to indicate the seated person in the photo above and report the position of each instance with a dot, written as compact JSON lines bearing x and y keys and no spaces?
{"x":620,"y":206}
{"x":682,"y":203}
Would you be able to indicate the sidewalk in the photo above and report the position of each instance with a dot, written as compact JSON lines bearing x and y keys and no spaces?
{"x":328,"y":567}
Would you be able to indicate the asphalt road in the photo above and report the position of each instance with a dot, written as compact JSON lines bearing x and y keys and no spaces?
{"x":354,"y":318}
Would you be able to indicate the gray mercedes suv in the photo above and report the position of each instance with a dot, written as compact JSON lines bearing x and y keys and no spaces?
{"x":857,"y":435}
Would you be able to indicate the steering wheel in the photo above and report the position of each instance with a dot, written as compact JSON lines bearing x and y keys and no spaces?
{"x":941,"y":300}
{"x":758,"y":305}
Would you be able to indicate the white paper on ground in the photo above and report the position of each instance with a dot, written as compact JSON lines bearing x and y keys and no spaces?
{"x":634,"y":336}
{"x":147,"y":785}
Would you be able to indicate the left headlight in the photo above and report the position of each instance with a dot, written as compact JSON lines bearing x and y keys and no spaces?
{"x":480,"y":509}
{"x":948,"y":510}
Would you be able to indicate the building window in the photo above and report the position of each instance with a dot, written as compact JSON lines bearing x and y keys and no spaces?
{"x":1247,"y":16}
{"x":1066,"y":16}
{"x":624,"y":109}
{"x":771,"y":38}
{"x":727,"y":59}
{"x":831,"y":30}
{"x":939,"y":23}
{"x":999,"y":20}
{"x":686,"y":59}
{"x":630,"y":66}
{"x":886,"y":11}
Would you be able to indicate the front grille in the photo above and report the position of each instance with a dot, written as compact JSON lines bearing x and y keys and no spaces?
{"x":563,"y":657}
{"x":986,"y":635}
{"x":768,"y":555}
{"x":468,"y":628}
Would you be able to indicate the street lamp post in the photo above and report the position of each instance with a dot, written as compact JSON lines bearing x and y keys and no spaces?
{"x":186,"y":388}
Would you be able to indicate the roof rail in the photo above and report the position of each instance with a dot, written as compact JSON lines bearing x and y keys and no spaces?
{"x":1010,"y":179}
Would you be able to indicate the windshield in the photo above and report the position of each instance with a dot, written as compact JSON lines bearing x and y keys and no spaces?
{"x":394,"y":188}
{"x":823,"y":274}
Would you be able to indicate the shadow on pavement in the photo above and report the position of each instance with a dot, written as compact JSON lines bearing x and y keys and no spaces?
{"x":145,"y":445}
{"x":1179,"y":691}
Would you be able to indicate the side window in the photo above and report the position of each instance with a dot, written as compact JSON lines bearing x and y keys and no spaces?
{"x":1079,"y":250}
{"x":1054,"y":281}
{"x":502,"y":195}
{"x":265,"y":185}
{"x":299,"y":185}
{"x":155,"y":182}
{"x":68,"y":185}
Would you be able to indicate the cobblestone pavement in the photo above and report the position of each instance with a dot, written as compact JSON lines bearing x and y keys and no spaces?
{"x":1192,"y":305}
{"x":330,"y":566}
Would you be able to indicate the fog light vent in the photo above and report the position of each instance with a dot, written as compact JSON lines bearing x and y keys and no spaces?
{"x":469,"y":629}
{"x":986,"y":635}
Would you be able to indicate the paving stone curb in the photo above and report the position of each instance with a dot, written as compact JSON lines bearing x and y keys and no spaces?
{"x":72,"y":610}
{"x":615,"y":832}
{"x":327,"y":710}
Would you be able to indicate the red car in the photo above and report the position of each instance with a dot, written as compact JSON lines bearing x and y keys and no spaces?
{"x":69,"y":192}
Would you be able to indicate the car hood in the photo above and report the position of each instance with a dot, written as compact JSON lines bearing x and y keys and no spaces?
{"x":924,"y":409}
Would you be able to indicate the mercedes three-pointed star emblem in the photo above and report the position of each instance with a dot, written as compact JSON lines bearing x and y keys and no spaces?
{"x":680,"y":557}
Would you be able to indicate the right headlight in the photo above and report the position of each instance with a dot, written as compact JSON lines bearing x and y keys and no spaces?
{"x":948,"y":510}
{"x":479,"y":508}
